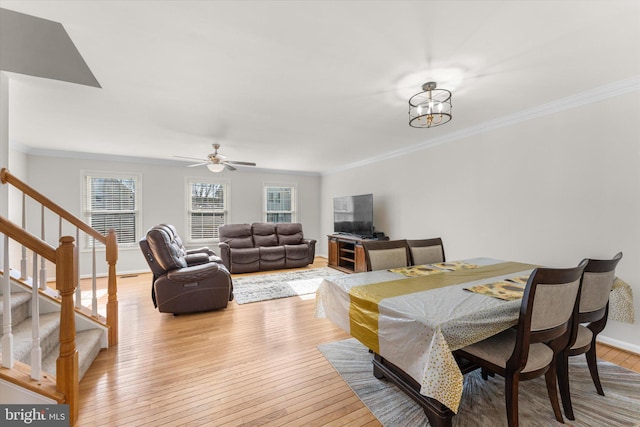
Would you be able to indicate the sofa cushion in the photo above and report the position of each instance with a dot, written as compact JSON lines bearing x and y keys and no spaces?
{"x":272,"y":257}
{"x":297,"y":255}
{"x":271,"y":253}
{"x":264,"y":234}
{"x":244,"y":260}
{"x":289,"y":233}
{"x":297,"y":251}
{"x":236,"y":235}
{"x":245,"y":255}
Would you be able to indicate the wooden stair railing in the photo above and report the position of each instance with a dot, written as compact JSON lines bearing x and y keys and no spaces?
{"x":63,"y":257}
{"x":109,"y":241}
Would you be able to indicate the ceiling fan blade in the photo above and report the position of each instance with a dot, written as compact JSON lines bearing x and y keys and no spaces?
{"x":190,"y":158}
{"x":228,"y":166}
{"x":198,"y":164}
{"x":240,"y":163}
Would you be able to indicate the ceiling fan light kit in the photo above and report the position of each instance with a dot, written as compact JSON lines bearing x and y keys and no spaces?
{"x":216,"y":162}
{"x":215,"y":167}
{"x":430,"y":108}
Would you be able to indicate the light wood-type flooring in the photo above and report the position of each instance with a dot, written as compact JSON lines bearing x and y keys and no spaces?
{"x":252,"y":364}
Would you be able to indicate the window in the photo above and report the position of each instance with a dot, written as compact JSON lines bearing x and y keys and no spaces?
{"x":207,"y":209}
{"x":111,"y":201}
{"x":280,"y":203}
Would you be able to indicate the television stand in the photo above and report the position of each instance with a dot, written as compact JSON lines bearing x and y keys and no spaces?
{"x":346,"y":253}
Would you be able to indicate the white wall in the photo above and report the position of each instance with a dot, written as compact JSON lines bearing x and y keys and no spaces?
{"x":163,"y":199}
{"x":548,"y":191}
{"x":14,"y":161}
{"x":4,"y":150}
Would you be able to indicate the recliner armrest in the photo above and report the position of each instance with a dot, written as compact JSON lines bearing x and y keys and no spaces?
{"x":196,"y":258}
{"x":195,"y":273}
{"x":203,"y":250}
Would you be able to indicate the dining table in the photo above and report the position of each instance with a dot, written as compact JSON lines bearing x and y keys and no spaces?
{"x":412,"y":318}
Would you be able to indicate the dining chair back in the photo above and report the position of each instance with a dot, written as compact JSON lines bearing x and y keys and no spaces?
{"x":597,"y":282}
{"x":385,"y":254}
{"x":549,"y":304}
{"x":426,"y":251}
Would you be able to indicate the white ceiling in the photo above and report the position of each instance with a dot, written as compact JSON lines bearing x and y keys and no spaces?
{"x":309,"y":85}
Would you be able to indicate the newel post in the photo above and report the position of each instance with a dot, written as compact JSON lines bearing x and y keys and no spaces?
{"x":112,"y":303}
{"x":67,"y":363}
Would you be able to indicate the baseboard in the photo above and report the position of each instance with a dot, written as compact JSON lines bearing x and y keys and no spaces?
{"x":622,"y":345}
{"x":120,"y":273}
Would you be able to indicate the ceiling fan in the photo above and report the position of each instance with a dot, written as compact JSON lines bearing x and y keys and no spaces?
{"x":216,"y":162}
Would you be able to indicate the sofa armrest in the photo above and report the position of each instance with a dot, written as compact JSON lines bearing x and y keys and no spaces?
{"x":225,"y":254}
{"x":312,"y":249}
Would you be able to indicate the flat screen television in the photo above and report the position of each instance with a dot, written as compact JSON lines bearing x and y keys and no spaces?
{"x":353,"y":215}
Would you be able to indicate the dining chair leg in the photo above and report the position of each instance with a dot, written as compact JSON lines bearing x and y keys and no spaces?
{"x":593,"y":369}
{"x":563,"y":384}
{"x":485,"y":373}
{"x":550,"y":377}
{"x":511,"y":399}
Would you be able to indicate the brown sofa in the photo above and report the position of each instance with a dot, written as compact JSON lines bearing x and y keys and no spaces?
{"x":246,"y":248}
{"x":184,"y":281}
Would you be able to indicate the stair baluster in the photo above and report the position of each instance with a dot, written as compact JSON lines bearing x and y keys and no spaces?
{"x":43,"y":262}
{"x":36,"y":350}
{"x":23,"y":260}
{"x":77,"y":278}
{"x":7,"y":333}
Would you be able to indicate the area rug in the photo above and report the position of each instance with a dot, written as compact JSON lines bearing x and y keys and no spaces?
{"x":483,"y":401}
{"x":280,"y":285}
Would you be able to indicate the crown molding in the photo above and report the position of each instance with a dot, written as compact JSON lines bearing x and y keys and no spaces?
{"x":31,"y":151}
{"x":598,"y":94}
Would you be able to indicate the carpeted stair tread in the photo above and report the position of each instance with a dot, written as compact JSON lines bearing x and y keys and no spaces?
{"x":88,"y":345}
{"x":22,"y":336}
{"x":19,"y":307}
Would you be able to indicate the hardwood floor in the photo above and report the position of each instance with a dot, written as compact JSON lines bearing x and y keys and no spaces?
{"x":251,"y":364}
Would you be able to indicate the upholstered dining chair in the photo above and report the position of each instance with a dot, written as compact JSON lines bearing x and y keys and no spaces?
{"x":384,"y":254}
{"x":549,"y":305}
{"x":426,"y":251}
{"x":597,"y":282}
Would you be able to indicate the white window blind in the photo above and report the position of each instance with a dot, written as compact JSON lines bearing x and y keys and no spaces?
{"x":111,"y":202}
{"x":279,"y":203}
{"x":207,"y":210}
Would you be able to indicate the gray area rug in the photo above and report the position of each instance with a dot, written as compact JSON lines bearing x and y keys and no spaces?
{"x":483,"y":401}
{"x":280,"y":285}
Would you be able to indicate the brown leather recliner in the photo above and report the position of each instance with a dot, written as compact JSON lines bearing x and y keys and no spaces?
{"x":184,"y":281}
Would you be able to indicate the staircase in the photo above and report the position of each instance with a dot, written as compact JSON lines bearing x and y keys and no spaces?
{"x":43,"y":358}
{"x":90,"y":338}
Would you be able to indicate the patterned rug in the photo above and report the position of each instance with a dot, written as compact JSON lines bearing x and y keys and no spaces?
{"x":280,"y":285}
{"x":483,"y":401}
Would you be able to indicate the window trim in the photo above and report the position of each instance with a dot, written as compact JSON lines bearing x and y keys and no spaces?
{"x":85,"y":210}
{"x":227,"y":210}
{"x":294,"y":198}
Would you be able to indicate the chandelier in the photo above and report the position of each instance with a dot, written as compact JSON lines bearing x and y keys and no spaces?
{"x":430,"y":108}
